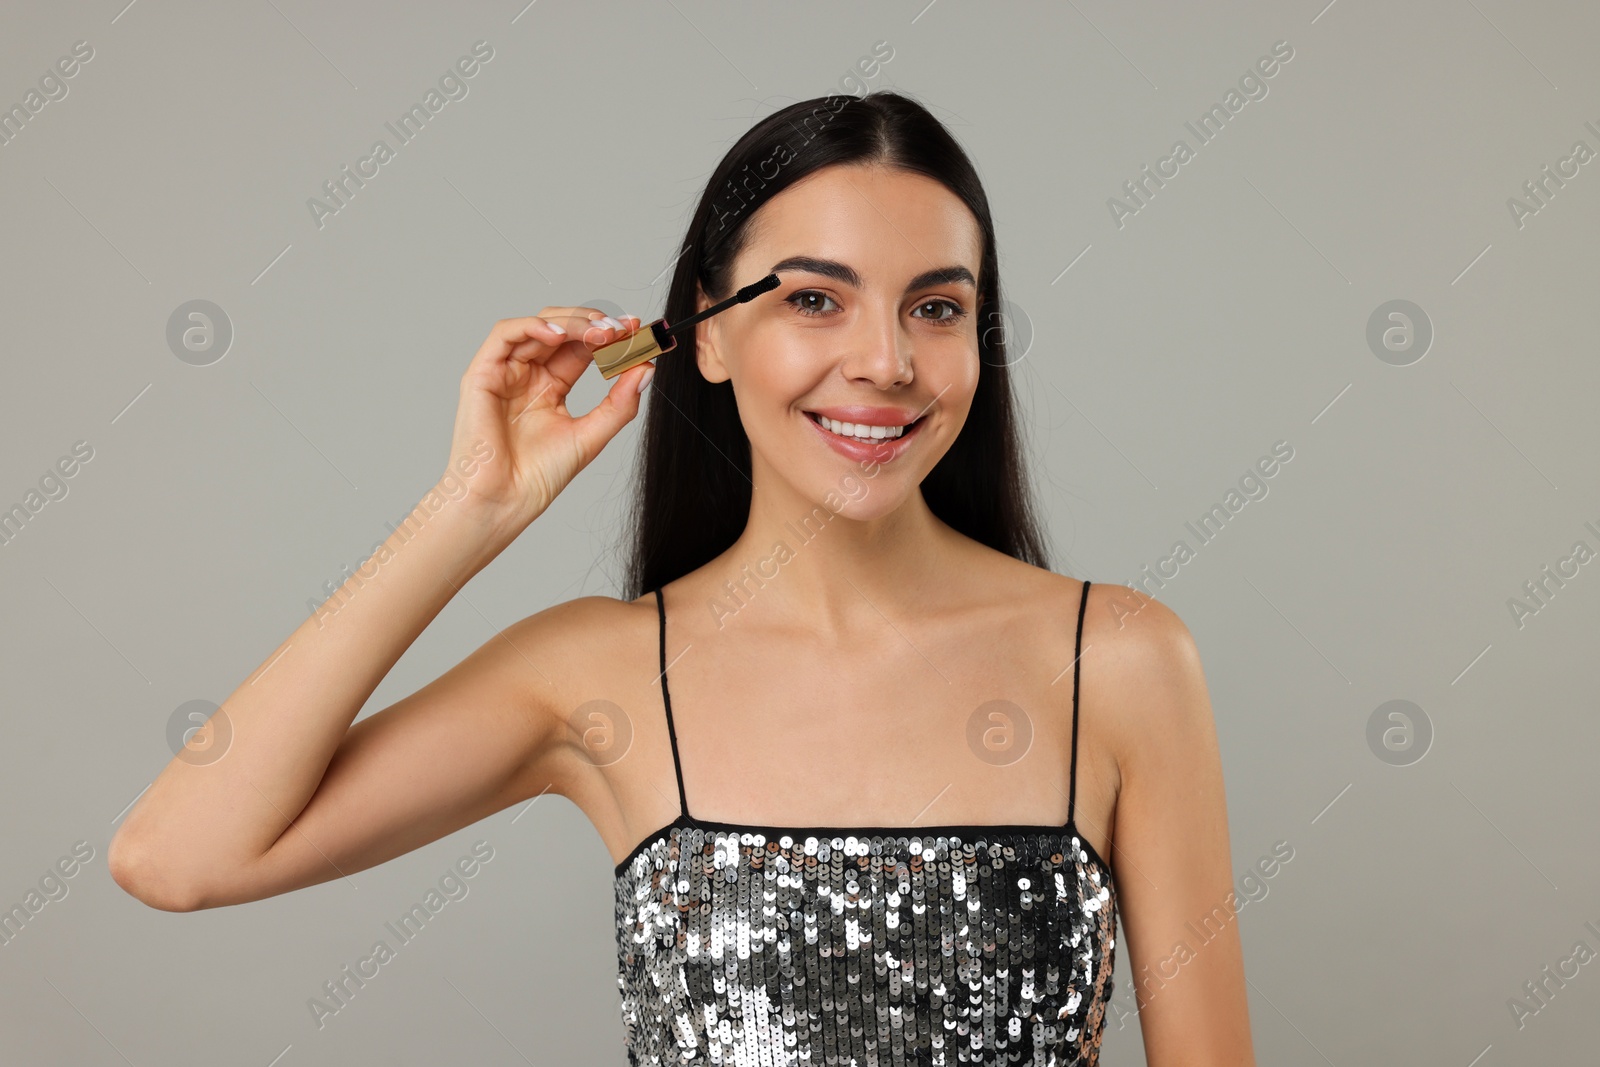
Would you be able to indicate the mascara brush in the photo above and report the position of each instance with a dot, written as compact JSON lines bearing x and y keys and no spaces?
{"x":658,"y":338}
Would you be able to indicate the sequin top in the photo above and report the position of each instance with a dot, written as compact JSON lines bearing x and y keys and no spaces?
{"x":856,"y":946}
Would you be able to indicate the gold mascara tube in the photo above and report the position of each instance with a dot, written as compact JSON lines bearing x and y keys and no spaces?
{"x":657,"y":338}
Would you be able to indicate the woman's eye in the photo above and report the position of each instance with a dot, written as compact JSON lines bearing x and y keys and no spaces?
{"x":811,"y":302}
{"x":800,"y":301}
{"x":955,"y":310}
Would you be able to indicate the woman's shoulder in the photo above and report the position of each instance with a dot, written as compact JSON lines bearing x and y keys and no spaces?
{"x":577,"y":645}
{"x":1141,"y":667}
{"x":1135,"y":622}
{"x":1139,"y":655}
{"x":586,"y":617}
{"x":594,"y":622}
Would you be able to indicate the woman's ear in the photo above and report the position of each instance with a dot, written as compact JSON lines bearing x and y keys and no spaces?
{"x":708,"y":356}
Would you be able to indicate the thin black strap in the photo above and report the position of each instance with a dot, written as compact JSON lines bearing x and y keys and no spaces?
{"x":1077,"y":669}
{"x":666,"y":699}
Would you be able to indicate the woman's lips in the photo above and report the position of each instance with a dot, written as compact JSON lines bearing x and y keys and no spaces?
{"x":880,"y":451}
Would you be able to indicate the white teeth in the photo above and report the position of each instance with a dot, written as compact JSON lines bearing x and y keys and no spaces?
{"x":860,"y":431}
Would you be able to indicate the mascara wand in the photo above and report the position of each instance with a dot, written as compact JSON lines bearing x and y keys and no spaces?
{"x":658,"y":338}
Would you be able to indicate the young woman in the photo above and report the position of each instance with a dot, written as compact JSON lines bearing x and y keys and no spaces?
{"x":870,"y":819}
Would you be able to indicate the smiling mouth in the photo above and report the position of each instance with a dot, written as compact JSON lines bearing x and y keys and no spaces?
{"x":850,"y":431}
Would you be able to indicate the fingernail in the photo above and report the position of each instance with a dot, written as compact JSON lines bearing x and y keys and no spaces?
{"x":557,"y":327}
{"x":611,"y":322}
{"x":644,"y":379}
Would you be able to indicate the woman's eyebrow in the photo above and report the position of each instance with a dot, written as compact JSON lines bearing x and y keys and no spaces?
{"x":843,"y":272}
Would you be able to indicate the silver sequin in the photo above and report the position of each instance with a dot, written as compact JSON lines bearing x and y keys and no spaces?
{"x":965,"y":946}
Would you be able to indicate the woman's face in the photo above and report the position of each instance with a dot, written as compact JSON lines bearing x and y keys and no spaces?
{"x":874,"y":323}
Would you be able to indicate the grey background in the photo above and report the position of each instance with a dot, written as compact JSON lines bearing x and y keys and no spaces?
{"x":1230,"y":313}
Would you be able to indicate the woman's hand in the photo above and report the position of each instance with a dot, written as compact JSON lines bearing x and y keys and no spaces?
{"x":513,"y":430}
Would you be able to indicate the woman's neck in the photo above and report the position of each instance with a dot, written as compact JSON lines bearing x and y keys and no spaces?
{"x":803,"y":559}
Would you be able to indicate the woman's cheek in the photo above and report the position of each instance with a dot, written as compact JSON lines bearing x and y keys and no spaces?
{"x":787,"y":365}
{"x":955,"y":370}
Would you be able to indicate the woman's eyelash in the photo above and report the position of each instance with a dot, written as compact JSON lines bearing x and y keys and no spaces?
{"x":957,"y":312}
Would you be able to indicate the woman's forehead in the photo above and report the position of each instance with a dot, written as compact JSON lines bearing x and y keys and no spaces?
{"x":886,"y":225}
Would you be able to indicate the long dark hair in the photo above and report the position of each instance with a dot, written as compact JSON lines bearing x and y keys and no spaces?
{"x":692,"y":489}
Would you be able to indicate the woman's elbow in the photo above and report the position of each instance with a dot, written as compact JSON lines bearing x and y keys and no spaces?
{"x":140,"y":876}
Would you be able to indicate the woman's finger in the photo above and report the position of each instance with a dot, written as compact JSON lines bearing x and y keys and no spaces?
{"x":562,"y":342}
{"x":569,"y":361}
{"x":532,"y":334}
{"x":621,"y":403}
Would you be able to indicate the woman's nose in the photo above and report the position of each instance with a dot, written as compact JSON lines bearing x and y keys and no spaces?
{"x":879,"y":350}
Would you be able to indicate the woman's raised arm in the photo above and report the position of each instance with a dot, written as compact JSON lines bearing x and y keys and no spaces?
{"x":279,"y":790}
